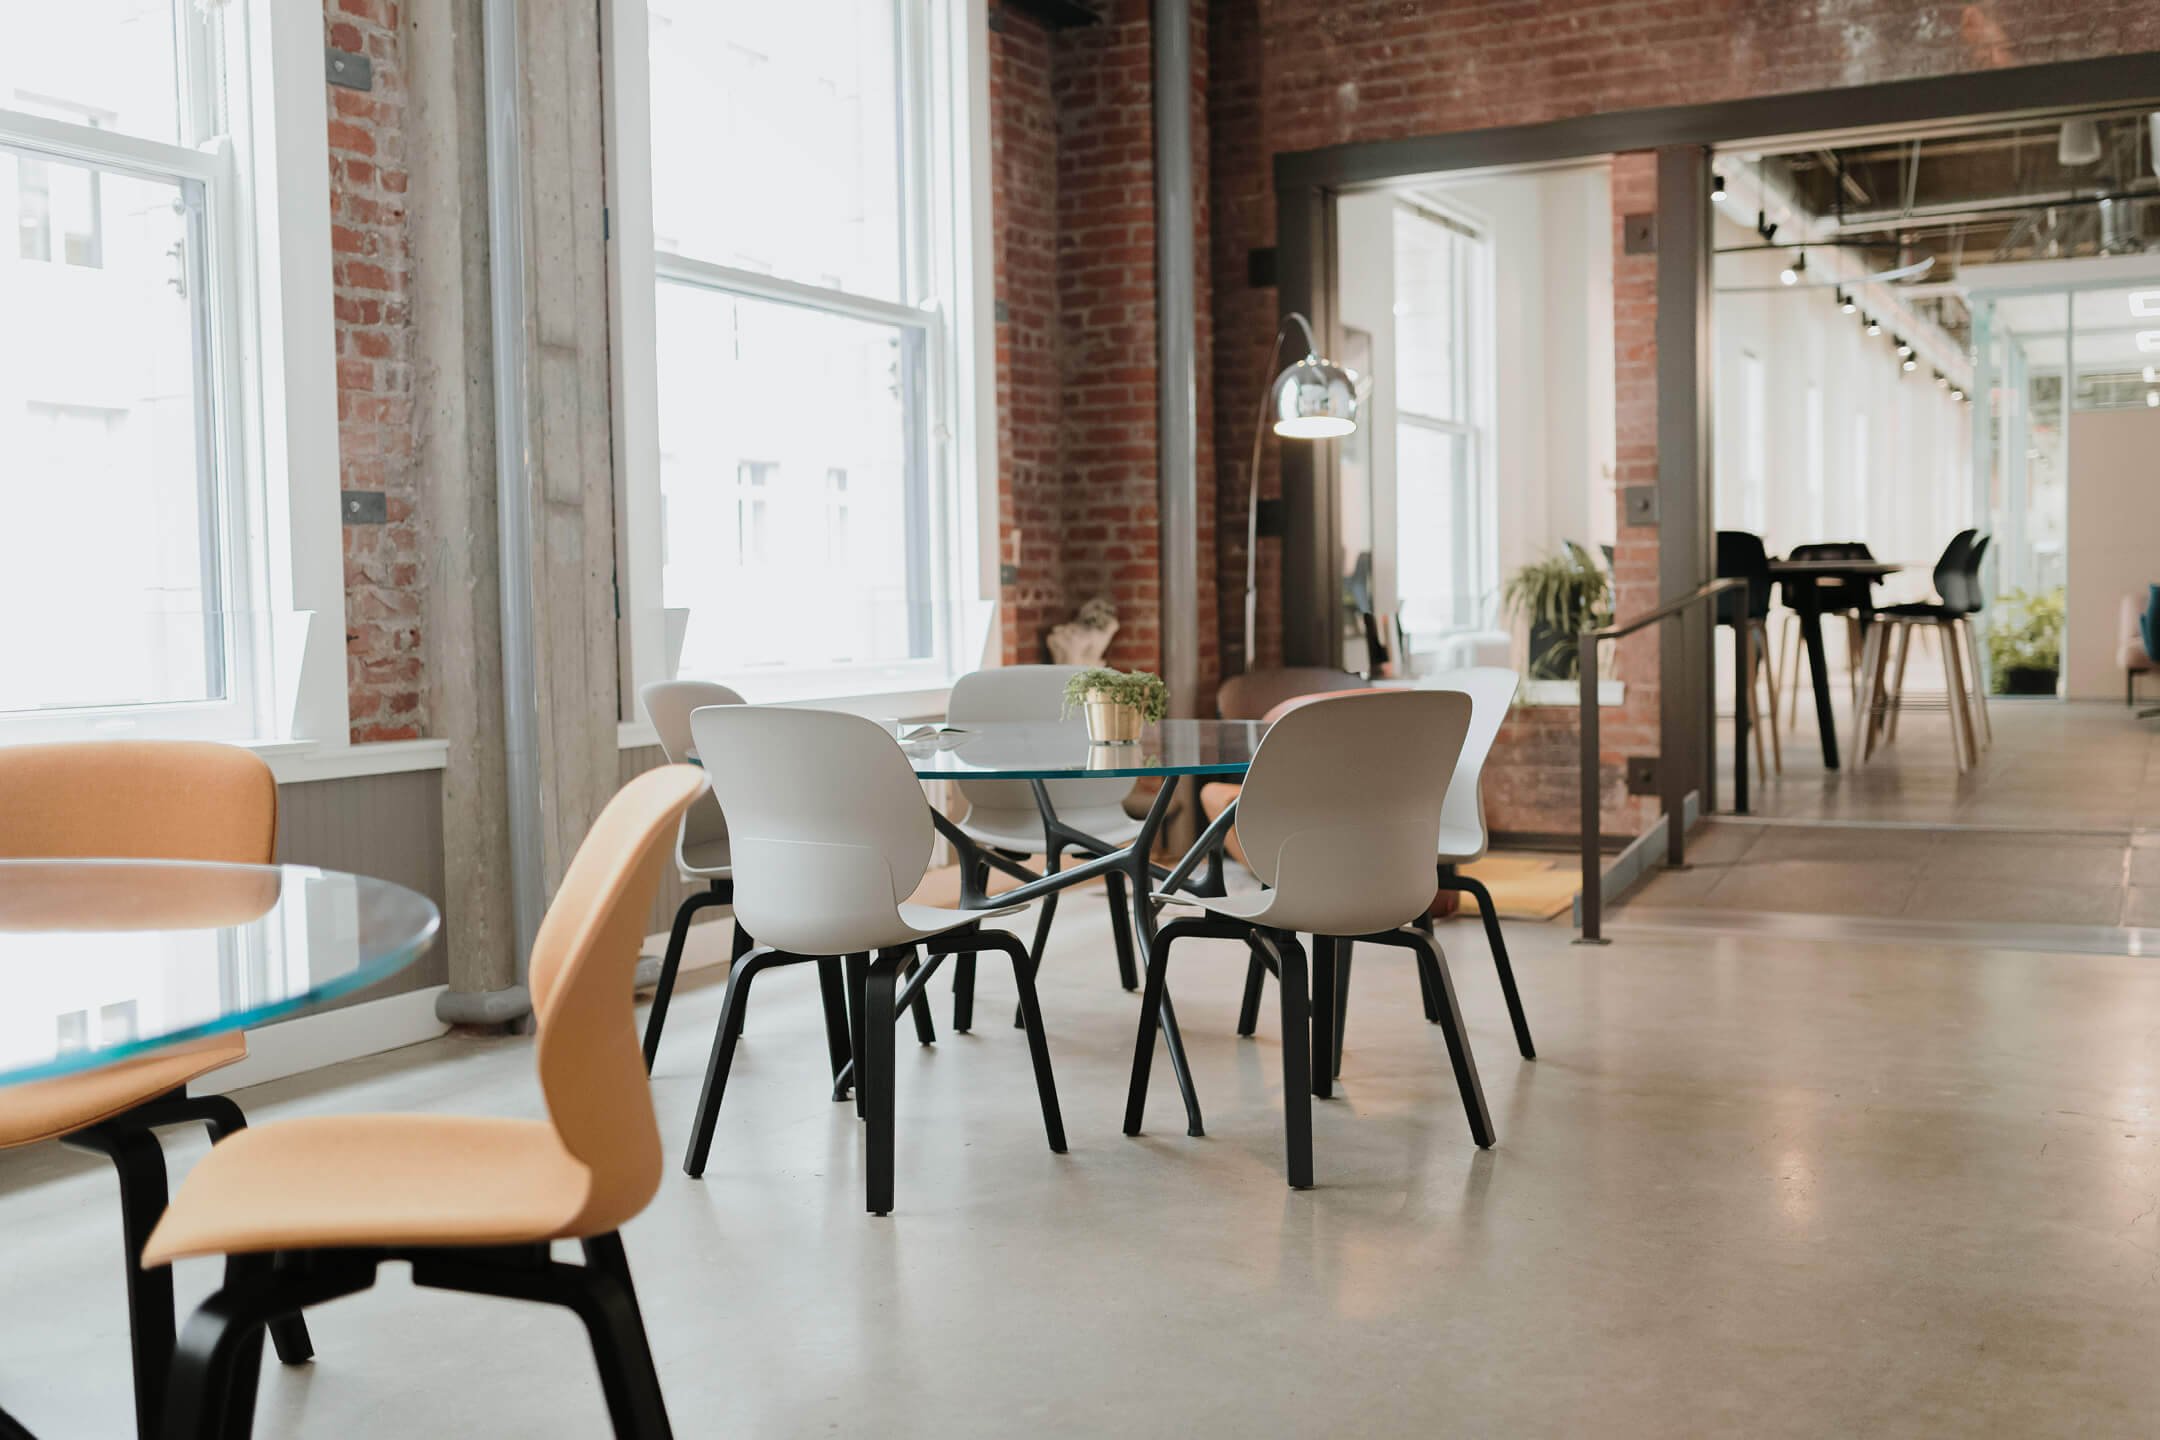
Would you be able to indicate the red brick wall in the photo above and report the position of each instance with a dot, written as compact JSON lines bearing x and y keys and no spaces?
{"x":1297,"y":74}
{"x":1073,"y":196}
{"x":1023,"y":198}
{"x":371,"y":274}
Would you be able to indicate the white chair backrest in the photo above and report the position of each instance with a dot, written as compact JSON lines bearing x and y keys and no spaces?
{"x":1033,"y":693}
{"x":1491,"y":689}
{"x":829,"y":826}
{"x":668,"y":704}
{"x":1339,"y":809}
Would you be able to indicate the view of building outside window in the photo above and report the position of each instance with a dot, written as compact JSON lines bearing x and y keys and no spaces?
{"x":103,"y":419}
{"x":796,"y":499}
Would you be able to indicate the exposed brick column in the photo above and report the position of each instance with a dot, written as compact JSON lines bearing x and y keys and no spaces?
{"x":371,"y":278}
{"x":1023,"y":200}
{"x":1102,"y":81}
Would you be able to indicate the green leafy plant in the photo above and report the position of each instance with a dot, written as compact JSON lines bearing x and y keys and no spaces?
{"x":1142,"y":691}
{"x":2025,"y":632}
{"x":1559,"y":596}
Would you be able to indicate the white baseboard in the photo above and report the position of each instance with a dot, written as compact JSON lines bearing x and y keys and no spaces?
{"x":292,"y":1047}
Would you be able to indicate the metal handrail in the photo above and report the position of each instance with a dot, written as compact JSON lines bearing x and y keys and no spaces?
{"x":1593,"y":872}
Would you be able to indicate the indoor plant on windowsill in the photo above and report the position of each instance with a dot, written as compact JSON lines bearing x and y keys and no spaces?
{"x":1559,"y":596}
{"x":2024,"y":642}
{"x":1117,"y":704}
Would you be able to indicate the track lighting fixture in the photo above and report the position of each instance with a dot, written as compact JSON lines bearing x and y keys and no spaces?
{"x":1874,"y":326}
{"x":1846,"y":303}
{"x":1791,"y":274}
{"x":1717,"y":188}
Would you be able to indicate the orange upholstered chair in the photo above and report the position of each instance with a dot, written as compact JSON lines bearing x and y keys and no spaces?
{"x":305,"y":1210}
{"x":141,"y":800}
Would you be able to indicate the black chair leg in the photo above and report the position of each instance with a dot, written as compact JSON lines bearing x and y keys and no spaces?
{"x":140,"y":1161}
{"x":671,"y":961}
{"x":223,"y":1118}
{"x":1053,"y":861}
{"x":1323,"y":1016}
{"x":963,"y":980}
{"x":1248,"y":1015}
{"x":1458,"y":1044}
{"x":874,"y":1079}
{"x":858,"y":979}
{"x":621,"y":1349}
{"x":919,"y":1007}
{"x":1342,"y":998}
{"x":1121,"y":929}
{"x":1030,"y":1017}
{"x":832,"y":990}
{"x":1151,"y":993}
{"x":729,"y":1030}
{"x":1498,"y":943}
{"x":1297,"y":1060}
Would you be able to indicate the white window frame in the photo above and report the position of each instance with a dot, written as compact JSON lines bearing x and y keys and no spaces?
{"x":267,"y":259}
{"x":1474,"y":349}
{"x":948,"y":42}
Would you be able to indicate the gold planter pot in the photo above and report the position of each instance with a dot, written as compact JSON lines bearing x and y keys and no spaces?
{"x":1109,"y":723}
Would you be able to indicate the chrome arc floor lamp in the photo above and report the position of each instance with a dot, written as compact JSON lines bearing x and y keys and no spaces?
{"x":1313,"y":399}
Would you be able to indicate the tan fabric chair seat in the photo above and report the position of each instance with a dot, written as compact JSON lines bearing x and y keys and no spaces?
{"x":48,"y":1109}
{"x":338,"y":1180}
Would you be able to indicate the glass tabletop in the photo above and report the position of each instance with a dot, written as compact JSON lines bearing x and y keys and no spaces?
{"x":105,"y":959}
{"x":1060,"y":750}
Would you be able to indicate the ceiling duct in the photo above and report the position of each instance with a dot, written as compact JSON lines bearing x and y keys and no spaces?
{"x":2119,"y":228}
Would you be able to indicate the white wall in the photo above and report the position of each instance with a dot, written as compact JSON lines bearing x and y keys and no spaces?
{"x":1552,"y":450}
{"x":2114,"y":513}
{"x":1881,"y":454}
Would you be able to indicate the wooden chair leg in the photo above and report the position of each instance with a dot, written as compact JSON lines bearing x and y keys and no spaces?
{"x":1954,"y":682}
{"x":1905,"y":636}
{"x":1770,"y":715}
{"x":1974,"y":677}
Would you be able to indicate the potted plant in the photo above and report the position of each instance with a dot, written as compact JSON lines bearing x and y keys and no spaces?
{"x":2024,"y":642}
{"x":1560,"y":596}
{"x":1117,"y":704}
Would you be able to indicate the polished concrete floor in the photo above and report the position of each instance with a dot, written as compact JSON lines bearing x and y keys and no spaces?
{"x":1761,"y":1188}
{"x":2055,"y":764}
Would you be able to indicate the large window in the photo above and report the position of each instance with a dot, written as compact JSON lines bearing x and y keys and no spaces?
{"x":135,"y":351}
{"x":811,"y":336}
{"x":1443,"y":364}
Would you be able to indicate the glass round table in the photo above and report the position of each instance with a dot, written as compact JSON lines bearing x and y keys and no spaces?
{"x":1038,"y":752}
{"x":101,"y":960}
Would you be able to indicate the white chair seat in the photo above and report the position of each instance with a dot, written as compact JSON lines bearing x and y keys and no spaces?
{"x":1460,"y":844}
{"x":1022,"y":830}
{"x":707,"y":860}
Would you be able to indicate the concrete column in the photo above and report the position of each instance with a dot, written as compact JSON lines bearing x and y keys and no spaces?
{"x":557,"y":354}
{"x":454,"y":405}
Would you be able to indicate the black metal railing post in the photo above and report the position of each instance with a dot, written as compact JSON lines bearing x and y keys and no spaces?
{"x":1593,"y":865}
{"x":1672,"y":784}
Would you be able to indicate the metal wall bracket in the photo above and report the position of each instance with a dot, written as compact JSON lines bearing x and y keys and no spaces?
{"x":1642,"y":774}
{"x":1642,"y":504}
{"x":364,"y":507}
{"x":1638,"y":234}
{"x":343,"y":67}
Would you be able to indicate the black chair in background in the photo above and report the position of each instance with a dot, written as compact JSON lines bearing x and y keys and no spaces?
{"x":1850,"y":596}
{"x":1889,"y":647}
{"x":1741,"y":556}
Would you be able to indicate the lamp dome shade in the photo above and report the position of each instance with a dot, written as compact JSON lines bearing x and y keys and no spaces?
{"x":1315,"y":399}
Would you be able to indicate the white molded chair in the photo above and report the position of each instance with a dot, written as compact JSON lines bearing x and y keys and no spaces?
{"x":1002,"y":814}
{"x":1337,"y":819}
{"x":1463,"y":839}
{"x":831,"y":834}
{"x":701,"y":841}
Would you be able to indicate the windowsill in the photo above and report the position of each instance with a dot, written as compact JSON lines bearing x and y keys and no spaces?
{"x":1567,"y":694}
{"x":926,"y":704}
{"x":298,"y":762}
